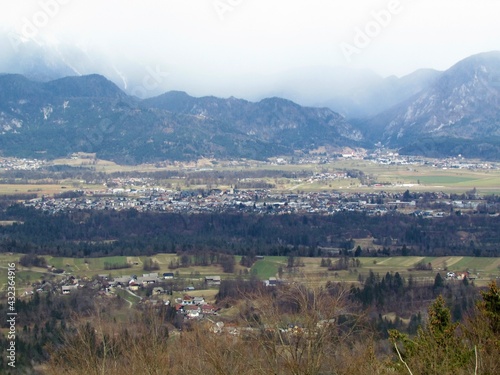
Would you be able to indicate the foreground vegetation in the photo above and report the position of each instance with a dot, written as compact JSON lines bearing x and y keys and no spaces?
{"x":290,"y":329}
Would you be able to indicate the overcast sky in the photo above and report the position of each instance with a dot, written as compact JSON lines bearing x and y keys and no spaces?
{"x":217,"y":42}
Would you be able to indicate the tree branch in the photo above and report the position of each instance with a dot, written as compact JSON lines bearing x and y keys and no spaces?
{"x":401,"y":359}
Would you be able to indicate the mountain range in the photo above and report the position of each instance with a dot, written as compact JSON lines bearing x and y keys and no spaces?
{"x":459,"y":113}
{"x":91,"y":114}
{"x":428,"y":112}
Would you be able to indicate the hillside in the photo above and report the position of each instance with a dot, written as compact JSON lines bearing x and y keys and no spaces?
{"x":91,"y":114}
{"x":458,"y":114}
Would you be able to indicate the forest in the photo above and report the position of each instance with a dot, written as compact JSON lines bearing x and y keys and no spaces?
{"x":83,"y":233}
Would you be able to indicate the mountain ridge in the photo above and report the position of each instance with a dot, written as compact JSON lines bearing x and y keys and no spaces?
{"x":462,"y":104}
{"x":92,"y":114}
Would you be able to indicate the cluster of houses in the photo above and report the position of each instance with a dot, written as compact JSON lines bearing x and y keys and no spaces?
{"x":134,"y":282}
{"x":260,"y":201}
{"x":188,"y":306}
{"x":103,"y":282}
{"x":459,"y":275}
{"x":15,"y":164}
{"x":194,"y":307}
{"x":386,"y":157}
{"x":66,"y":285}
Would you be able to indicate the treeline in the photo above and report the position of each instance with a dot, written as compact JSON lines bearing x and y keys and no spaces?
{"x":116,"y":266}
{"x":343,"y":263}
{"x":132,"y":233}
{"x":394,"y":294}
{"x":53,"y":174}
{"x":31,"y":260}
{"x":203,"y":258}
{"x":58,"y":173}
{"x":17,"y":197}
{"x":150,"y":265}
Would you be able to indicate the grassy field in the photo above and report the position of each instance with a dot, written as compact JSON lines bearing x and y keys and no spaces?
{"x":24,"y":277}
{"x":391,"y":177}
{"x":430,"y":179}
{"x":484,"y":269}
{"x":447,"y":180}
{"x":268,"y":267}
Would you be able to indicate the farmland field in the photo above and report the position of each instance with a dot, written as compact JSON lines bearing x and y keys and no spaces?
{"x":310,"y":270}
{"x":385,"y":177}
{"x":445,"y":179}
{"x":267,"y":267}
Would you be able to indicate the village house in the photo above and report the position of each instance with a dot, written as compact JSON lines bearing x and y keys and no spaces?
{"x":212,"y":280}
{"x":192,"y":311}
{"x":187,"y":300}
{"x":198,"y":301}
{"x":66,"y":289}
{"x":271,"y":282}
{"x":208,"y":309}
{"x":121,"y":281}
{"x":148,"y":279}
{"x":158,"y":290}
{"x":462,"y":275}
{"x":133,"y":285}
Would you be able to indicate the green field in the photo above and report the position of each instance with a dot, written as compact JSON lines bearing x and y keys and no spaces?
{"x":99,"y":263}
{"x":483,"y":268}
{"x":267,"y":267}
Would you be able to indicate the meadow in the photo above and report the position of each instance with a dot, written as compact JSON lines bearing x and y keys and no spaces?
{"x":384,"y":177}
{"x":310,"y":272}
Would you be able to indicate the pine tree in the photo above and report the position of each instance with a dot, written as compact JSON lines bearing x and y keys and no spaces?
{"x":490,"y":306}
{"x":437,"y":347}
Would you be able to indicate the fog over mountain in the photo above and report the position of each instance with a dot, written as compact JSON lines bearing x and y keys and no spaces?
{"x":357,"y":58}
{"x":453,"y":112}
{"x":354,"y":93}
